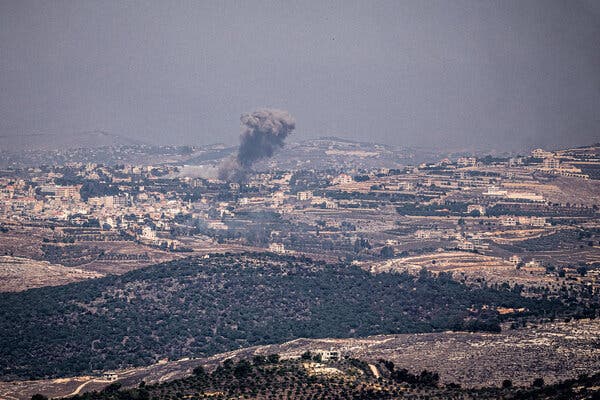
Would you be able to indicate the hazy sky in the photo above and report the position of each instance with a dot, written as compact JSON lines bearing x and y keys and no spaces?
{"x":496,"y":74}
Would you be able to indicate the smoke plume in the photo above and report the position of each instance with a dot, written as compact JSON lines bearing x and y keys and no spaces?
{"x":264,"y":132}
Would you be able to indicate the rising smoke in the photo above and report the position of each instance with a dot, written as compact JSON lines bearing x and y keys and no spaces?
{"x":264,"y":132}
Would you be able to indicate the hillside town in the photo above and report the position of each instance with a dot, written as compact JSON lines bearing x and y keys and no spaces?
{"x":527,"y":225}
{"x":528,"y":216}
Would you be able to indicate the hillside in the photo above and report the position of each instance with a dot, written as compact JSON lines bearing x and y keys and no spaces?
{"x":199,"y":307}
{"x":350,"y":378}
{"x":553,"y":351}
{"x":89,"y":139}
{"x":19,"y":273}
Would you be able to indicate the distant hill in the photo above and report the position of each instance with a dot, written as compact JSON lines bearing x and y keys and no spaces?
{"x":209,"y":154}
{"x":333,"y":152}
{"x":327,"y":152}
{"x":200,"y":307}
{"x":88,"y":139}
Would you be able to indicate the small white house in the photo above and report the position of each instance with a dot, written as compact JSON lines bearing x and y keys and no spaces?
{"x":110,"y":376}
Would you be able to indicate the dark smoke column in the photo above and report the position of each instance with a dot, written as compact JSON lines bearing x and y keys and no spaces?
{"x":264,"y":132}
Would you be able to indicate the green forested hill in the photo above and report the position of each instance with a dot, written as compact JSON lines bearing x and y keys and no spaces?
{"x":199,"y":307}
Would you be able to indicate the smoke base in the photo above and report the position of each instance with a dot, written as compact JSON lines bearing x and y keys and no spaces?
{"x":264,"y":132}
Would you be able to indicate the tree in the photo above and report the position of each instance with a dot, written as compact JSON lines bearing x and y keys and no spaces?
{"x":228,"y":364}
{"x":538,"y":382}
{"x":429,"y":378}
{"x":388,"y":364}
{"x":360,"y":244}
{"x":273,"y":358}
{"x":259,"y":359}
{"x":112,"y":388}
{"x":242,"y":369}
{"x":387,"y":252}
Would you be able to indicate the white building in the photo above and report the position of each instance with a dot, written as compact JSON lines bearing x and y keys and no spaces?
{"x":540,"y":153}
{"x":305,"y":195}
{"x":277,"y":198}
{"x":148,"y":233}
{"x":277,"y":247}
{"x":551,"y":163}
{"x":466,"y":162}
{"x":110,"y":376}
{"x":533,"y":221}
{"x":342,"y":179}
{"x":328,"y":355}
{"x":330,"y":204}
{"x":495,"y":191}
{"x":428,"y":234}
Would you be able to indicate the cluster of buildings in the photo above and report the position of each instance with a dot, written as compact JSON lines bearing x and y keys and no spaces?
{"x":157,"y":204}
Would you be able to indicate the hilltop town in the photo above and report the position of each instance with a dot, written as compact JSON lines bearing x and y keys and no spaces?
{"x":521,"y":219}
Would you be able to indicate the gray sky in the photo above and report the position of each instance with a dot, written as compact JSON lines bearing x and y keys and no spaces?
{"x":489,"y":74}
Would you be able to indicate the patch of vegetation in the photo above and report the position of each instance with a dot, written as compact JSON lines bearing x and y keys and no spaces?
{"x":70,"y":255}
{"x":200,"y":307}
{"x":273,"y":379}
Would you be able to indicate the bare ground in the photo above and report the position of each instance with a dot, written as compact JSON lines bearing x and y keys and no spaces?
{"x":18,"y":273}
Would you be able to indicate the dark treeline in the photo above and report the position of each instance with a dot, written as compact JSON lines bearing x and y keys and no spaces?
{"x":200,"y":307}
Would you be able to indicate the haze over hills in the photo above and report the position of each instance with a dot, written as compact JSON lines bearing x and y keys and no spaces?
{"x":511,"y":74}
{"x":331,"y":152}
{"x":110,"y":149}
{"x":88,"y":139}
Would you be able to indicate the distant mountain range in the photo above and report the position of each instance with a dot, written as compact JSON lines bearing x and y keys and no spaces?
{"x":87,"y":139}
{"x":320,"y":153}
